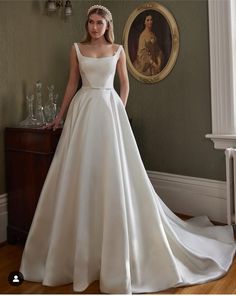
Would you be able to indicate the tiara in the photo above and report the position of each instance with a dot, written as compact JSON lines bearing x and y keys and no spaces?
{"x":100,"y":7}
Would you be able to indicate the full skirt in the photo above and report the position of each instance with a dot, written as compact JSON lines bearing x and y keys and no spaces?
{"x":99,"y":217}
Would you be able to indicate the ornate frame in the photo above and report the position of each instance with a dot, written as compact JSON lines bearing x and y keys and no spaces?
{"x":170,"y":39}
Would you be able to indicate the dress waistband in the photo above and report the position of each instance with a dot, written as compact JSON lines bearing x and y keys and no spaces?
{"x":97,"y":87}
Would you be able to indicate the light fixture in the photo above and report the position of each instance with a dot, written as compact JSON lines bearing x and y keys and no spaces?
{"x":68,"y":8}
{"x":53,"y":5}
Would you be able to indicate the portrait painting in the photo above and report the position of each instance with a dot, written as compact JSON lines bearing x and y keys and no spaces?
{"x":151,"y":42}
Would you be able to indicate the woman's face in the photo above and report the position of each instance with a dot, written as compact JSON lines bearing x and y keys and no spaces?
{"x":148,"y":21}
{"x":97,"y":26}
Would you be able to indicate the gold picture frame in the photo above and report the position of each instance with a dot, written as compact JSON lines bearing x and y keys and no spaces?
{"x":151,"y":42}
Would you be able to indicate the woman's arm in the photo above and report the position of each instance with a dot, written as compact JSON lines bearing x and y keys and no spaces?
{"x":71,"y":89}
{"x":123,"y":77}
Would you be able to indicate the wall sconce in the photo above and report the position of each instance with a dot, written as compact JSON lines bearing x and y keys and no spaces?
{"x":53,"y":5}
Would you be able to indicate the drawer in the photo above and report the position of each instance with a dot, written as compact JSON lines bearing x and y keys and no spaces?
{"x":31,"y":139}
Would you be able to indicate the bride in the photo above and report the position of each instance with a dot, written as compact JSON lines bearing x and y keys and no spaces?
{"x":98,"y":216}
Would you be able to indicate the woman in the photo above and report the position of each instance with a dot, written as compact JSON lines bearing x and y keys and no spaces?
{"x":98,"y":216}
{"x":149,"y":59}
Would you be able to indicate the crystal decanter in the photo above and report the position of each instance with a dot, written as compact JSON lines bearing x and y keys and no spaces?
{"x":30,"y":121}
{"x":39,"y":115}
{"x":51,"y":109}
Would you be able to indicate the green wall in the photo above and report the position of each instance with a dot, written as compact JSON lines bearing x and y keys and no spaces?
{"x":170,"y":118}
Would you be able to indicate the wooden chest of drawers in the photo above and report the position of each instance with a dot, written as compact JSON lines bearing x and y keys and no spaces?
{"x":28,"y":155}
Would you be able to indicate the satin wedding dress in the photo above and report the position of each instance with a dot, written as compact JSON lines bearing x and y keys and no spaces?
{"x":98,"y":216}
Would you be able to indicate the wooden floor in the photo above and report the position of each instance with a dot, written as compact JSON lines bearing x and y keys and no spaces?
{"x":10,"y":256}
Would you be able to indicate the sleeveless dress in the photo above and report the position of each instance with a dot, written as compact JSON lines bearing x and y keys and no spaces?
{"x":99,"y":217}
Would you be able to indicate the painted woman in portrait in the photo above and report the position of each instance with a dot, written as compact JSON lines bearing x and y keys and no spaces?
{"x":149,"y":60}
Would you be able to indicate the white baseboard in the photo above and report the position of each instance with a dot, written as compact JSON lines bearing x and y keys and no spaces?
{"x":184,"y":195}
{"x":3,"y":218}
{"x":191,"y":196}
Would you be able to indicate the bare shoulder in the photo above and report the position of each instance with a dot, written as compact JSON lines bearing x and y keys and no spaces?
{"x":119,"y":48}
{"x":116,"y":46}
{"x":73,"y":49}
{"x":80,"y":44}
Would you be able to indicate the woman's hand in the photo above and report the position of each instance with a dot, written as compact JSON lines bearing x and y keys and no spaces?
{"x":55,"y":124}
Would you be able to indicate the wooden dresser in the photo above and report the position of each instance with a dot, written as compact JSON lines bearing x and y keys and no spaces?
{"x":28,"y":155}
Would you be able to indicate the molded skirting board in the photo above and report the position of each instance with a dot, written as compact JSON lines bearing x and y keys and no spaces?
{"x":3,"y":218}
{"x":184,"y":195}
{"x":191,"y":196}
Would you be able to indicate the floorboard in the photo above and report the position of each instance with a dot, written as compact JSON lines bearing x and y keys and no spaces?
{"x":10,"y":256}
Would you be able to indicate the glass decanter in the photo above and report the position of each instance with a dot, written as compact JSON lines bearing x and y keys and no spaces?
{"x":50,"y":109}
{"x":39,"y":115}
{"x":30,"y":121}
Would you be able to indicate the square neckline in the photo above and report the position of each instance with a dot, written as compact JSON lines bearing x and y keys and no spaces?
{"x":105,"y":57}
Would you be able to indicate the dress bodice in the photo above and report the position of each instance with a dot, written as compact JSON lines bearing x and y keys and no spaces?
{"x":97,"y":72}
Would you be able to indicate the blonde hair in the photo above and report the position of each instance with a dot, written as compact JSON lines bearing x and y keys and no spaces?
{"x":109,"y":33}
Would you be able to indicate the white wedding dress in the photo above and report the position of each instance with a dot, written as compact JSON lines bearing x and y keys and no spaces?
{"x":98,"y":216}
